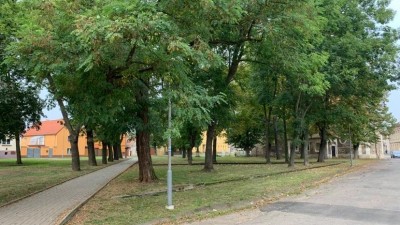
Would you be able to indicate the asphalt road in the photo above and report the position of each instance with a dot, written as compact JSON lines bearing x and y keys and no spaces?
{"x":371,"y":196}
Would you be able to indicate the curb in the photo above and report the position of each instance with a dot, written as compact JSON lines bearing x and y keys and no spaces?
{"x":75,"y":210}
{"x":51,"y":186}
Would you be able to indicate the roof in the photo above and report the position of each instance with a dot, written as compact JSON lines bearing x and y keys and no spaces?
{"x":48,"y":127}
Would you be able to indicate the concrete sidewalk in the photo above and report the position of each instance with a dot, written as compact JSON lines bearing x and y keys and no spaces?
{"x":53,"y":205}
{"x":367,"y":197}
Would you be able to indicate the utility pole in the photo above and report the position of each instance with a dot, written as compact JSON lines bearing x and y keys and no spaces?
{"x":169,"y":172}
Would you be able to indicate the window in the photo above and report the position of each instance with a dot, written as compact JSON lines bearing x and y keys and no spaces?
{"x":36,"y":140}
{"x":5,"y":141}
{"x":68,"y":151}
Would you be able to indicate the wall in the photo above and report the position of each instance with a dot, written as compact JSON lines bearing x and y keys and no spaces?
{"x":8,"y":150}
{"x":222,"y":145}
{"x":59,"y":144}
{"x":395,"y":139}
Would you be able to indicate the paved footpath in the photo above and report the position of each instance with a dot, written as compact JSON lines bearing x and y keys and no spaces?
{"x":367,"y":197}
{"x":53,"y":205}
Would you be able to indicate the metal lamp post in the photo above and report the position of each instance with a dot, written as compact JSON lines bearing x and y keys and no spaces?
{"x":170,"y":206}
{"x":351,"y":148}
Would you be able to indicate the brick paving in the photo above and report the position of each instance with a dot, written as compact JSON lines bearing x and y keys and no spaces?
{"x":53,"y":205}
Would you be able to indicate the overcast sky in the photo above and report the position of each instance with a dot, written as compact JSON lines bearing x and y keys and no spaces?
{"x":394,"y":97}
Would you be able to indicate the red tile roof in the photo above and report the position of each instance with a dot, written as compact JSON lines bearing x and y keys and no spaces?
{"x":48,"y":127}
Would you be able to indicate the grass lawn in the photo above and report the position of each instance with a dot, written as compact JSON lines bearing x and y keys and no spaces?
{"x":199,"y":194}
{"x":34,"y":175}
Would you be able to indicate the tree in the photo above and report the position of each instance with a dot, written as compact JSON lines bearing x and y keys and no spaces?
{"x":143,"y":45}
{"x":361,"y":60}
{"x":21,"y":107}
{"x":245,"y":128}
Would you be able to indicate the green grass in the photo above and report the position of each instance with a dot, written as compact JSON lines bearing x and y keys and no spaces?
{"x":35,"y":175}
{"x":229,"y":187}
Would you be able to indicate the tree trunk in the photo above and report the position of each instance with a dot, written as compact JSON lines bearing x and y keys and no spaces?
{"x":110,"y":153}
{"x":183,"y":152}
{"x":305,"y":147}
{"x":277,"y":152}
{"x":355,"y":150}
{"x":146,"y":170}
{"x":189,"y":155}
{"x":120,"y":148}
{"x":104,"y":153}
{"x":76,"y":163}
{"x":215,"y":149}
{"x":208,"y":164}
{"x":90,"y":143}
{"x":267,"y":147}
{"x":73,"y":133}
{"x":295,"y":140}
{"x":285,"y":139}
{"x":247,"y":150}
{"x":192,"y":142}
{"x":322,"y":146}
{"x":302,"y":151}
{"x":115,"y":148}
{"x":18,"y":148}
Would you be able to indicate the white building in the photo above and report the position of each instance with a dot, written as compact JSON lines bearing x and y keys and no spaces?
{"x":8,"y":148}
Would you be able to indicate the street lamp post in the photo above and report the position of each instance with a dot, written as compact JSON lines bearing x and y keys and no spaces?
{"x":351,"y":148}
{"x":169,"y":172}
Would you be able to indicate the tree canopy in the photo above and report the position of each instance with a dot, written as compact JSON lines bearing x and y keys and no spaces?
{"x":247,"y":67}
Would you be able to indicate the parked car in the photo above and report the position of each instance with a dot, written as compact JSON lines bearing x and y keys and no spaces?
{"x":395,"y":154}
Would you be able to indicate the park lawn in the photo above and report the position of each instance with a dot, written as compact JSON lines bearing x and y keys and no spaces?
{"x":201,"y":195}
{"x":35,"y":175}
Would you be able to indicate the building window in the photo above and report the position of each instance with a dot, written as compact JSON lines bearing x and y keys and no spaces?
{"x":36,"y":140}
{"x":68,"y":151}
{"x":5,"y":141}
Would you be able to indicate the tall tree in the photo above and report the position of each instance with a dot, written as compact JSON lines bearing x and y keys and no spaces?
{"x":362,"y":55}
{"x":21,"y":107}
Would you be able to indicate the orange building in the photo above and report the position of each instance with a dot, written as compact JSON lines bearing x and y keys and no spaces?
{"x":51,"y":140}
{"x":223,"y":147}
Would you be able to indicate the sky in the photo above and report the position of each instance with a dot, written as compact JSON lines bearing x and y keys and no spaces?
{"x":394,"y":96}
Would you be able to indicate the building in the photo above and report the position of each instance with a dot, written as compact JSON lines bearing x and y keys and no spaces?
{"x":8,"y":148}
{"x":394,"y":139}
{"x":51,"y":140}
{"x":223,"y":147}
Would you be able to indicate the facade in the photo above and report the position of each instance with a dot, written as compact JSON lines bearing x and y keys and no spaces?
{"x":223,"y":147}
{"x":51,"y":140}
{"x":394,"y":139}
{"x":8,"y":148}
{"x":378,"y":150}
{"x":336,"y":147}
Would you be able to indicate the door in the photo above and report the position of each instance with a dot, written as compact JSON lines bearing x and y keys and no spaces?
{"x":33,"y":153}
{"x":29,"y":153}
{"x":50,"y":153}
{"x":333,"y":151}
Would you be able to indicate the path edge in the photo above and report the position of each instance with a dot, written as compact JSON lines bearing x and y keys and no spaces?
{"x":69,"y":215}
{"x":45,"y":189}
